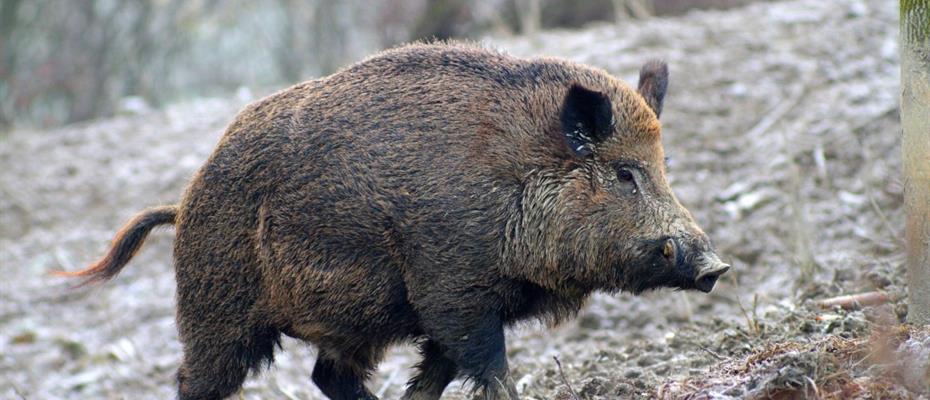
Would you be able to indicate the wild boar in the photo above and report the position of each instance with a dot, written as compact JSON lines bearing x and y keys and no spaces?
{"x":434,"y":193}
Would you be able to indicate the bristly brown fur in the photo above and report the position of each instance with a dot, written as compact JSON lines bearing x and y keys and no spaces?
{"x":124,"y":246}
{"x":435,"y":193}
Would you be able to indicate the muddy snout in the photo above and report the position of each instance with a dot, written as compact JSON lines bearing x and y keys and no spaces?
{"x":707,"y":275}
{"x":704,"y":266}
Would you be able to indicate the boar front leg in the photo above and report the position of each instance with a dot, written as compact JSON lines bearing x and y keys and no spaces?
{"x":434,"y":373}
{"x":473,"y":339}
{"x":340,"y":381}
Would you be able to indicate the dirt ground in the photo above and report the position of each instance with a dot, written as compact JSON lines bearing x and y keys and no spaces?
{"x":782,"y":127}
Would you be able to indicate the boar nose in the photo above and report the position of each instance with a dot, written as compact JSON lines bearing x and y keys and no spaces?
{"x":707,"y":276}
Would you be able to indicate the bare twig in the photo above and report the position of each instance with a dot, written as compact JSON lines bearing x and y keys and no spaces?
{"x":777,"y":113}
{"x":867,"y":157}
{"x":565,"y":381}
{"x":855,"y":301}
{"x":18,"y":391}
{"x":881,"y":216}
{"x":751,"y":322}
{"x":711,"y":352}
{"x":814,"y":386}
{"x":276,"y":385}
{"x":388,"y":382}
{"x":800,"y":231}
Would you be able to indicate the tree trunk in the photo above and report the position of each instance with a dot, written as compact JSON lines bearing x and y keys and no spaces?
{"x":8,"y":14}
{"x":915,"y":144}
{"x":438,"y":20}
{"x":330,"y":36}
{"x":288,"y":53}
{"x":530,"y":14}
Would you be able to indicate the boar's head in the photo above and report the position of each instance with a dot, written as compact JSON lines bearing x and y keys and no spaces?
{"x":605,"y":218}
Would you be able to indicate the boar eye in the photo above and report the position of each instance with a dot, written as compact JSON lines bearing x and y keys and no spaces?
{"x":627,"y":179}
{"x":625,"y":175}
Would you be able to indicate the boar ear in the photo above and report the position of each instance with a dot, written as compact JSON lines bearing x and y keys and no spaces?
{"x":653,"y":80}
{"x":586,"y":119}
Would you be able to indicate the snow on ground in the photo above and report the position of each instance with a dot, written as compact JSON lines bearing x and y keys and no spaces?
{"x":782,"y":127}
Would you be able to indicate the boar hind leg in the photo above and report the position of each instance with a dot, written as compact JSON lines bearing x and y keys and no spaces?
{"x":224,"y":332}
{"x":215,"y":368}
{"x":435,"y":372}
{"x":339,"y":381}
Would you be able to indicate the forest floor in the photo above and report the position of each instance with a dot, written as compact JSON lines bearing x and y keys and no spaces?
{"x":783,"y":131}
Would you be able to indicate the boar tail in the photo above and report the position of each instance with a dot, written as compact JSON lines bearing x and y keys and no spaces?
{"x":125,"y":245}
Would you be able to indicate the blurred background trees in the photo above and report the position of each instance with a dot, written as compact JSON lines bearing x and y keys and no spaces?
{"x":69,"y":61}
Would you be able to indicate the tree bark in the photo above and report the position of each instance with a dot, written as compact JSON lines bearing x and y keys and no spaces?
{"x":288,"y":54}
{"x":8,"y":14}
{"x":530,"y":14}
{"x":915,"y":144}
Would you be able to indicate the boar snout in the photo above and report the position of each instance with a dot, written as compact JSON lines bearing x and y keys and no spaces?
{"x":702,"y":267}
{"x":708,"y":271}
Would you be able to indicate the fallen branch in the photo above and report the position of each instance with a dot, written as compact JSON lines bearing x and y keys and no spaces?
{"x":565,"y":381}
{"x":854,"y":301}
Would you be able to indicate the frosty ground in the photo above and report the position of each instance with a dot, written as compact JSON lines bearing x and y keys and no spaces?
{"x":782,"y":127}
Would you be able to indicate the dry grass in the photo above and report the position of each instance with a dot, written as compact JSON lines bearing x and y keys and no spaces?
{"x":829,"y":368}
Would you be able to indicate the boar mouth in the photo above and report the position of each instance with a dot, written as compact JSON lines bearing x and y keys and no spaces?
{"x":706,"y":274}
{"x":699,"y":272}
{"x":707,"y":278}
{"x":648,"y":277}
